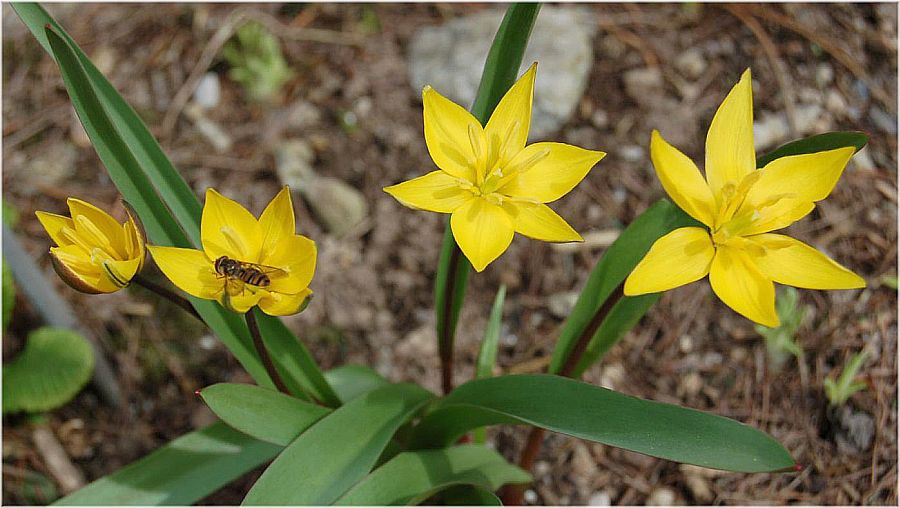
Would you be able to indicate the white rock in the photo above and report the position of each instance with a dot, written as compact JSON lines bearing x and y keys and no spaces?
{"x":661,"y":496}
{"x":561,"y":304}
{"x":450,"y":58}
{"x":691,"y":63}
{"x":208,"y":91}
{"x":600,"y":499}
{"x":644,"y":85}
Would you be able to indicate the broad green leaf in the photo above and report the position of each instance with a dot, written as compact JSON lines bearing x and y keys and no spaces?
{"x":499,"y":74}
{"x":182,"y":472}
{"x":411,"y":477}
{"x":54,"y":366}
{"x":156,"y":478}
{"x":817,"y":143}
{"x":143,"y":174}
{"x":262,"y":413}
{"x":487,"y":355}
{"x":467,"y":495}
{"x":615,"y":265}
{"x":589,"y":412}
{"x":293,"y":360}
{"x":351,"y":381}
{"x":338,"y":450}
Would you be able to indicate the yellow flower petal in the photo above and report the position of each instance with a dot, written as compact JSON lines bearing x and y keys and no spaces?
{"x":682,"y":180}
{"x":729,"y":143}
{"x":678,"y":258}
{"x":228,"y":229}
{"x":297,"y":257}
{"x":243,"y":300}
{"x":54,"y":224}
{"x":742,"y":286}
{"x":98,"y":227}
{"x":121,"y":272}
{"x":436,"y":192}
{"x":447,"y":127}
{"x":190,"y":270}
{"x":792,"y":262}
{"x":807,"y":177}
{"x":276,"y":304}
{"x":482,"y":230}
{"x":507,"y":129}
{"x":73,"y":265}
{"x":538,"y":221}
{"x":277,"y":221}
{"x":779,"y":215}
{"x":545,"y":172}
{"x":135,"y":243}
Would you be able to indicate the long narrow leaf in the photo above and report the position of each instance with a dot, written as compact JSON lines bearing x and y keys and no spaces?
{"x":339,"y":450}
{"x":180,"y":473}
{"x":487,"y":355}
{"x":500,"y":69}
{"x":411,"y":477}
{"x":618,"y":261}
{"x":351,"y":381}
{"x":589,"y":412}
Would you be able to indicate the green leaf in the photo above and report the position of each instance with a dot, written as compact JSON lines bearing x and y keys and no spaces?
{"x":165,"y":203}
{"x":9,"y":295}
{"x":589,"y":412}
{"x":411,"y":477}
{"x":615,"y":265}
{"x":261,"y":413}
{"x":54,"y":366}
{"x":500,"y":70}
{"x":293,"y":360}
{"x":339,"y":450}
{"x":487,"y":355}
{"x":182,"y":472}
{"x":817,"y":143}
{"x":351,"y":381}
{"x":467,"y":495}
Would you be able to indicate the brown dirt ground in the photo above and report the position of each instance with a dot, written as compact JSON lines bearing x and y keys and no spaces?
{"x":374,"y":288}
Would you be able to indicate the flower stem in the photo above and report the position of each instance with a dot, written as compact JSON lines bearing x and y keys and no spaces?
{"x":447,"y":327}
{"x":166,"y":293}
{"x":513,"y":494}
{"x":264,"y":353}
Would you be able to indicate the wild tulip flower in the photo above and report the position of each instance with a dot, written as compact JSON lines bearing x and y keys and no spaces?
{"x":491,"y":183}
{"x":741,"y":206}
{"x":270,"y":265}
{"x":94,"y":253}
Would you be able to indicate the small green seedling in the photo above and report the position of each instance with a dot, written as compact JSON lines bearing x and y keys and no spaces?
{"x":257,"y":62}
{"x":839,"y":391}
{"x":780,"y":341}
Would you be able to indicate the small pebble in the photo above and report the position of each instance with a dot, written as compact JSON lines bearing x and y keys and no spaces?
{"x":208,"y":92}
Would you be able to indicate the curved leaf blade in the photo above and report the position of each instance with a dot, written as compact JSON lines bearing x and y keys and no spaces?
{"x":411,"y":477}
{"x":817,"y":143}
{"x":339,"y":450}
{"x":182,"y":472}
{"x":261,"y":413}
{"x":589,"y":412}
{"x":615,"y":265}
{"x":351,"y":381}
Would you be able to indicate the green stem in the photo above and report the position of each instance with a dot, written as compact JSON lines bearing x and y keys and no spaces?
{"x":264,"y":353}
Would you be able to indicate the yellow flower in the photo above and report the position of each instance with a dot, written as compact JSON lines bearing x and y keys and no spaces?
{"x":260,"y":262}
{"x":94,"y":253}
{"x":491,"y":183}
{"x":741,"y":205}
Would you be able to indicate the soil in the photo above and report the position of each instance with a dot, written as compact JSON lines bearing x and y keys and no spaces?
{"x":374,"y":286}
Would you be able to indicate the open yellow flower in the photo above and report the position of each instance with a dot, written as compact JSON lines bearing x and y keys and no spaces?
{"x":94,"y":253}
{"x":489,"y":180}
{"x":741,"y":206}
{"x":260,"y":262}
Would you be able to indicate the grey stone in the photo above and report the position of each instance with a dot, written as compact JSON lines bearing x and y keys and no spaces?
{"x":450,"y":58}
{"x":691,"y":63}
{"x":561,"y":304}
{"x":600,"y":499}
{"x":338,"y":206}
{"x":644,"y":85}
{"x":661,"y":496}
{"x":208,"y":91}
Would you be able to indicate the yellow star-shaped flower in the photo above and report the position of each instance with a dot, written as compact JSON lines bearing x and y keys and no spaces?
{"x":245,"y":261}
{"x":94,"y":253}
{"x":741,"y":205}
{"x":489,"y":180}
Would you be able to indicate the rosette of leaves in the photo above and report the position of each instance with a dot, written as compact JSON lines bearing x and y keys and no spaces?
{"x":256,"y":61}
{"x":54,"y":366}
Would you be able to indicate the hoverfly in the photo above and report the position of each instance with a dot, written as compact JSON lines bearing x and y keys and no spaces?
{"x":247,"y":273}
